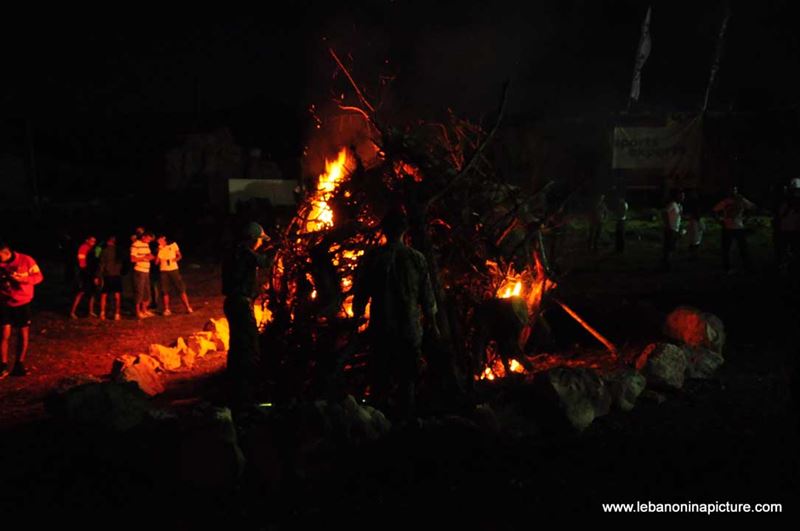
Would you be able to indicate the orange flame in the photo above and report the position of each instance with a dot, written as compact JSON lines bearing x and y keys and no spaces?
{"x":530,"y":285}
{"x":320,"y":216}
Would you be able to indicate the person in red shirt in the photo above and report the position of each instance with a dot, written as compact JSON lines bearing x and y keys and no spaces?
{"x":87,"y":266}
{"x":18,"y":275}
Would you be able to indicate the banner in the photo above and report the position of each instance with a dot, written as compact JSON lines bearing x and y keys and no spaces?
{"x":674,"y":148}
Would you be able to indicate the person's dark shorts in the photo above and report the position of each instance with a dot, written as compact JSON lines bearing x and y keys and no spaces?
{"x":171,"y":282}
{"x":86,"y":282}
{"x":112,"y":284}
{"x":141,"y":286}
{"x":16,"y":316}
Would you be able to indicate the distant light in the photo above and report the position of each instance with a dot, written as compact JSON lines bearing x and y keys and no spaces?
{"x":265,"y":404}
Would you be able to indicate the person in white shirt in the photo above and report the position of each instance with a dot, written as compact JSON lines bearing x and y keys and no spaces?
{"x":695,"y":226}
{"x":169,"y":254}
{"x":732,"y":210}
{"x":673,"y":213}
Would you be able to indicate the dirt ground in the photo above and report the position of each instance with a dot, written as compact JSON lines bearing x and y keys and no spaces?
{"x":732,"y":438}
{"x":62,"y":348}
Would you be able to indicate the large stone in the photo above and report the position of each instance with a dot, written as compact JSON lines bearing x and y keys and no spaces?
{"x":118,"y":406}
{"x":220,"y":332}
{"x":695,"y":328}
{"x":625,"y":386}
{"x":664,"y":365}
{"x":120,"y":364}
{"x":201,"y":344}
{"x":209,"y":457}
{"x":150,"y":361}
{"x":359,"y":423}
{"x":702,"y":363}
{"x":187,"y":355}
{"x":169,"y":358}
{"x":485,"y":418}
{"x":145,"y":376}
{"x":580,"y":394}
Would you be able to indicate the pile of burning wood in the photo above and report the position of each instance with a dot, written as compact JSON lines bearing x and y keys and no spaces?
{"x":482,"y":241}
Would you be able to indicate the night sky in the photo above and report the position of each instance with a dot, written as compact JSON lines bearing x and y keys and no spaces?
{"x":100,"y":77}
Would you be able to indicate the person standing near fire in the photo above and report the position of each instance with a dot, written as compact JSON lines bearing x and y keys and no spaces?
{"x":240,"y":287}
{"x":394,"y":277}
{"x":87,"y":269}
{"x":19,"y":273}
{"x":732,"y":210}
{"x":169,"y":254}
{"x":141,"y":258}
{"x":110,"y":274}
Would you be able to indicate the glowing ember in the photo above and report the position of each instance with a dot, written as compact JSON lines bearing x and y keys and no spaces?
{"x":530,"y":285}
{"x":263,"y":315}
{"x":507,"y":291}
{"x":515,"y":366}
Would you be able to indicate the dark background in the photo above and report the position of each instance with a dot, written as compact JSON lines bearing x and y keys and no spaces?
{"x":95,"y":98}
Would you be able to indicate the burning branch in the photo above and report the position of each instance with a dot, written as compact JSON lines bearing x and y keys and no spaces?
{"x":608,"y":344}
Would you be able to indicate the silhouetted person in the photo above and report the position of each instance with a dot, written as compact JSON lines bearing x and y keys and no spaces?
{"x":789,"y":228}
{"x":597,"y":217}
{"x":732,"y":209}
{"x":240,"y":287}
{"x":394,"y":277}
{"x":110,"y":274}
{"x":673,"y":213}
{"x":619,"y":209}
{"x":87,"y":274}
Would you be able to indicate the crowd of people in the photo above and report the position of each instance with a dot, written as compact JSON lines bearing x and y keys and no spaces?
{"x":682,"y":220}
{"x":153,"y":264}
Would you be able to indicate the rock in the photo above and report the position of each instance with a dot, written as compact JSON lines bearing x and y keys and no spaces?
{"x":145,"y":376}
{"x":120,"y":364}
{"x":200,"y":344}
{"x":187,"y":355}
{"x":116,"y":405}
{"x":150,"y":361}
{"x":702,"y":363}
{"x":180,"y":345}
{"x":220,"y":332}
{"x":209,"y":456}
{"x":579,"y":393}
{"x":695,"y":328}
{"x":265,"y":463}
{"x":351,"y":422}
{"x":380,"y":423}
{"x":653,"y":396}
{"x":663,"y":364}
{"x":485,"y":418}
{"x":169,"y":358}
{"x":625,"y":387}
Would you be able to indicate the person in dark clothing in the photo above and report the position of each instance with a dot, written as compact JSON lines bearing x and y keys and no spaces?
{"x":619,"y":209}
{"x":597,"y":217}
{"x":240,"y":288}
{"x":394,"y":277}
{"x":109,"y":272}
{"x":87,"y":266}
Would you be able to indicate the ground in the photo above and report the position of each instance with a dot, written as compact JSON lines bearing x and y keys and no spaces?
{"x":732,"y":438}
{"x":61,"y":348}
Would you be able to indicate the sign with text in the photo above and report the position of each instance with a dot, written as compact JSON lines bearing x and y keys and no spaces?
{"x":675,"y":148}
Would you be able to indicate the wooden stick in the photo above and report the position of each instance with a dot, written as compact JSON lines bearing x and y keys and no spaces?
{"x":477,"y":152}
{"x":352,"y":81}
